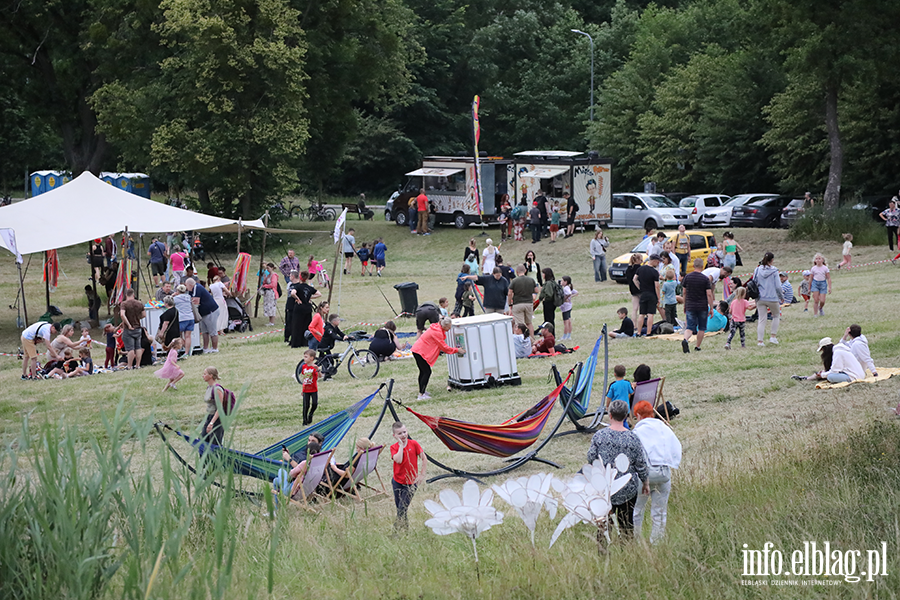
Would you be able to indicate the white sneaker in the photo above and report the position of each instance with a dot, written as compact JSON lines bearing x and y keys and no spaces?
{"x":214,"y":351}
{"x":773,"y":340}
{"x":760,"y":344}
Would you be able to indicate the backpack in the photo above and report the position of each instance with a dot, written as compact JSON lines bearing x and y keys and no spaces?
{"x":228,"y":400}
{"x":559,"y":297}
{"x":752,"y":289}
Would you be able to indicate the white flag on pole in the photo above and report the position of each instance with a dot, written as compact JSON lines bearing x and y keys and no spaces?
{"x":9,"y":240}
{"x":339,"y":225}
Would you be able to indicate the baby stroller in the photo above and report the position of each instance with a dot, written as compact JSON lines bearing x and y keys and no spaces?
{"x":238,"y":319}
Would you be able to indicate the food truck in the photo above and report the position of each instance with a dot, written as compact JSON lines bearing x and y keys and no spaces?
{"x":586,"y":177}
{"x":450,"y":183}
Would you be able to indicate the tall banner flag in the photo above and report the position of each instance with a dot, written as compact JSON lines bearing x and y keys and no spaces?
{"x":476,"y":136}
{"x":338,"y":225}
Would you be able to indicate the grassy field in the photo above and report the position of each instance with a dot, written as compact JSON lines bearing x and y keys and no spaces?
{"x":765,"y":458}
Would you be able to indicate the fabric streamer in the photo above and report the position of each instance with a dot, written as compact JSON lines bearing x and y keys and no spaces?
{"x":239,"y":282}
{"x":123,"y":282}
{"x":51,"y":267}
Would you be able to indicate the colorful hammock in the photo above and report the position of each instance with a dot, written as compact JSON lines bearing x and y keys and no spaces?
{"x":501,"y":440}
{"x":239,"y":282}
{"x":266,"y":463}
{"x":123,"y":282}
{"x":51,"y":268}
{"x":582,"y":386}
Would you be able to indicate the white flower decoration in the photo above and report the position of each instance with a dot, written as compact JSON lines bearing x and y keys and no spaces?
{"x":528,"y":495}
{"x":471,"y":515}
{"x":587,"y":495}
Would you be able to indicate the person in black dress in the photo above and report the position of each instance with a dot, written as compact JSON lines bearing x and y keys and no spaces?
{"x":294,"y":279}
{"x":303,"y":310}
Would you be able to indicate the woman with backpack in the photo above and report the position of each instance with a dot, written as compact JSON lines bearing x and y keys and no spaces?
{"x":765,"y":279}
{"x":216,"y":395}
{"x":551,"y":292}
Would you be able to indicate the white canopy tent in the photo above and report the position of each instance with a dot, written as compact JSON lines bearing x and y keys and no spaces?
{"x":87,"y":208}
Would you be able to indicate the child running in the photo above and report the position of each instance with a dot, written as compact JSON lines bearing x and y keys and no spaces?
{"x":845,"y":251}
{"x":820,"y":285}
{"x":309,"y":377}
{"x":409,"y":470}
{"x":738,"y":309}
{"x":569,"y":292}
{"x":804,"y":289}
{"x":171,"y":370}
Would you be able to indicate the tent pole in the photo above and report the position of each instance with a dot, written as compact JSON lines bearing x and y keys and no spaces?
{"x":137,"y":284}
{"x":47,"y":278}
{"x":262,"y":259}
{"x":22,"y":291}
{"x":239,"y":238}
{"x":337,"y":253}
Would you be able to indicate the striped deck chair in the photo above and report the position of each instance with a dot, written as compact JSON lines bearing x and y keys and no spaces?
{"x":363,"y":465}
{"x":266,"y":463}
{"x":315,"y":470}
{"x":651,"y":391}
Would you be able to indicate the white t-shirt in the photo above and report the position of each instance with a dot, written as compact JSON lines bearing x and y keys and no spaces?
{"x":216,"y":290}
{"x":40,"y":329}
{"x":349,"y":241}
{"x":713,"y":272}
{"x":847,"y":246}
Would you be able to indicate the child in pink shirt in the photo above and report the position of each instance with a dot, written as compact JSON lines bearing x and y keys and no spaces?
{"x":738,"y":310}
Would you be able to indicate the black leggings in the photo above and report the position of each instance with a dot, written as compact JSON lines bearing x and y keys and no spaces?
{"x":550,"y":314}
{"x":310,"y":404}
{"x":424,"y":372}
{"x":403,"y":495}
{"x":892,"y":237}
{"x":216,"y":435}
{"x":625,"y":516}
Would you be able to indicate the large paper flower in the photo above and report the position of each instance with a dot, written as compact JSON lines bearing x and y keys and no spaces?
{"x":528,"y":495}
{"x":587,"y":495}
{"x":471,"y":515}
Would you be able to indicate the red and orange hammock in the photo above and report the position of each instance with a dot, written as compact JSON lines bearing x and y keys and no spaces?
{"x":502,"y":440}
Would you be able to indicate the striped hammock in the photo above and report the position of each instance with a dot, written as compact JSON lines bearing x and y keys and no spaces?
{"x":582,"y":386}
{"x":266,"y":463}
{"x":502,"y":440}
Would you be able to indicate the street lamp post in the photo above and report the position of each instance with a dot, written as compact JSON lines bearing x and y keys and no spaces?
{"x":579,"y":32}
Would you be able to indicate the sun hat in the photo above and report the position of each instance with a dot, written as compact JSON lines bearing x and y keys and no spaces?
{"x":806,"y":272}
{"x":825,"y":341}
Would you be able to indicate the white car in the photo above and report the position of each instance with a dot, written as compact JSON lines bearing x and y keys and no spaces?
{"x":721,"y":217}
{"x":700,"y":204}
{"x":653,"y":211}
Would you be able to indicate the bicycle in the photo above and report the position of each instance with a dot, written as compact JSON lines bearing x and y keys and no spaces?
{"x":361,"y":364}
{"x":317,"y":212}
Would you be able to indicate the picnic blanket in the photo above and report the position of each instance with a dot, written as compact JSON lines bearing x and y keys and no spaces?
{"x":677,"y":337}
{"x":554,"y":353}
{"x":882,"y":375}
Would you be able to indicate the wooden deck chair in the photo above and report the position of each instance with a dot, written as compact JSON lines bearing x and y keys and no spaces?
{"x":364,"y":464}
{"x":303,"y":491}
{"x":651,"y":391}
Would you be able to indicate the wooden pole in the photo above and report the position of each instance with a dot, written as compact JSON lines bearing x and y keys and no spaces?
{"x":22,"y":290}
{"x":262,"y":259}
{"x":138,"y":254}
{"x":47,"y":278}
{"x":239,"y":238}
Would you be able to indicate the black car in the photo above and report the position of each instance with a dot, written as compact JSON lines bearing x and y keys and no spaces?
{"x":874,"y":205}
{"x":761,"y":213}
{"x":793,"y":211}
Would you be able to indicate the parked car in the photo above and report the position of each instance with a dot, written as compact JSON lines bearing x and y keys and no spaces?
{"x":760,"y":213}
{"x":721,"y":217}
{"x":647,"y":210}
{"x":700,"y":204}
{"x":874,"y":205}
{"x":702,"y":243}
{"x":793,"y":211}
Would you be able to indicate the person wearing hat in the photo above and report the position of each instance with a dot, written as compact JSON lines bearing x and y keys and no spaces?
{"x":647,"y":280}
{"x":840,"y":364}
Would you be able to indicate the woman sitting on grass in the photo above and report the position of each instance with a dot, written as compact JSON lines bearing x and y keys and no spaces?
{"x":840,"y":364}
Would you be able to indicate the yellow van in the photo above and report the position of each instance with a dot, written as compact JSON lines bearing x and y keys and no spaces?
{"x":702,"y":244}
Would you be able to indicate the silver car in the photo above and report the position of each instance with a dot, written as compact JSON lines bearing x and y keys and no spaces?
{"x":647,"y":211}
{"x":721,"y":217}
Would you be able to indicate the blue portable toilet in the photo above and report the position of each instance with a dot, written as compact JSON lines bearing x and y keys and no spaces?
{"x":44,"y":181}
{"x":139,"y":184}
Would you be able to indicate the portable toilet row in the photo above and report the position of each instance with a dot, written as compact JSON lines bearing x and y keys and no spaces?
{"x":133,"y":183}
{"x":44,"y":181}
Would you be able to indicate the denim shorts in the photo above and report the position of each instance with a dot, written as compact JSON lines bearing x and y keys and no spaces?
{"x":696,"y":319}
{"x":819,"y":286}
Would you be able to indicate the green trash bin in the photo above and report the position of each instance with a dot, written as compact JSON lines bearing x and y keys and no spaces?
{"x":409,"y":298}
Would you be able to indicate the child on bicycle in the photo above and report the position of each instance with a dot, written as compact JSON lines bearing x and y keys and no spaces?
{"x":309,"y":377}
{"x":332,"y":334}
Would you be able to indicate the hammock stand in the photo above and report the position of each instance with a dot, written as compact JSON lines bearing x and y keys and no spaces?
{"x":260,"y":459}
{"x":514,"y":462}
{"x":576,"y":396}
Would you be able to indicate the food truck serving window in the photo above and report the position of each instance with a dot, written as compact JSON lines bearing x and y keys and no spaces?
{"x":444,"y":179}
{"x":545,"y":172}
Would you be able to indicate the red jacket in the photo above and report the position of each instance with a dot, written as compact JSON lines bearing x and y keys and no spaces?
{"x":317,"y":326}
{"x":430,"y":345}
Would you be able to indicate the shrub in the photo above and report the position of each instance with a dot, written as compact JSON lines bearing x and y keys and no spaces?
{"x":818,"y":224}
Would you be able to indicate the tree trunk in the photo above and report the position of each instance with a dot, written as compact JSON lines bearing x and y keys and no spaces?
{"x":836,"y":168}
{"x":203,"y":197}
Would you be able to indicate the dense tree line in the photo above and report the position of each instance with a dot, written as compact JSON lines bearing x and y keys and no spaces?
{"x":244,"y":101}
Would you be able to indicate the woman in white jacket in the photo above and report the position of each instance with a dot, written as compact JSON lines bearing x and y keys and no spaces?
{"x":663,"y":451}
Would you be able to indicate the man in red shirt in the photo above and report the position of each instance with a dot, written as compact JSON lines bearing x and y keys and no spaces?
{"x":409,"y":470}
{"x":422,"y":212}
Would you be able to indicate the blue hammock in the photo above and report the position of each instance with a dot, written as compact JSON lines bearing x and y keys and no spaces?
{"x":581,"y":386}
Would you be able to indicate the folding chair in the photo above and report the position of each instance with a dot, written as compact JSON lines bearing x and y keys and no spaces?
{"x":652,"y":391}
{"x":315,"y":470}
{"x":362,"y":466}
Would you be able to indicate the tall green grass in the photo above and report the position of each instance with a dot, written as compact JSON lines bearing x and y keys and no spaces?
{"x":818,"y":224}
{"x":81,"y":516}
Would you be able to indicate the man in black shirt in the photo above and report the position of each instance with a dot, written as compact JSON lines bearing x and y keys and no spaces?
{"x":541,"y":200}
{"x":698,"y":300}
{"x":496,"y":288}
{"x":647,"y":280}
